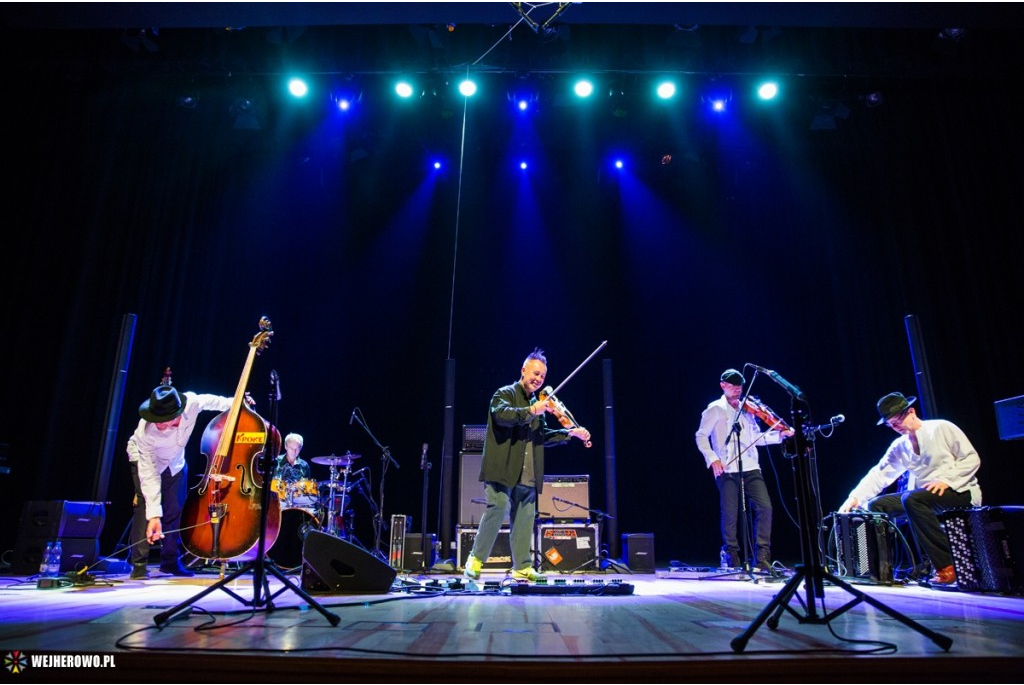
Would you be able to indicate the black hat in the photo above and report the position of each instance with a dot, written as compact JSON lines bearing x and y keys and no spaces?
{"x":733,"y":376}
{"x":893,"y":404}
{"x":164,"y":404}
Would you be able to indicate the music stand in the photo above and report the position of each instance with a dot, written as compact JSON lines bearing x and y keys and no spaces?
{"x":811,"y":572}
{"x":261,"y":565}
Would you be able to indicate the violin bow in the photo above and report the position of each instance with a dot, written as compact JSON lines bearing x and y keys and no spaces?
{"x":584,"y":363}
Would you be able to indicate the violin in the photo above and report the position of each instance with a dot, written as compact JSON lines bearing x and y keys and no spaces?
{"x":761,"y":411}
{"x":555,"y":406}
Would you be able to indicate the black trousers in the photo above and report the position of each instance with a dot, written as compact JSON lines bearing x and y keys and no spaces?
{"x":920,"y":509}
{"x":756,"y":492}
{"x":172,"y":494}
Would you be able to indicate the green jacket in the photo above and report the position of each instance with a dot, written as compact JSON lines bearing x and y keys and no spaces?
{"x":510,"y":427}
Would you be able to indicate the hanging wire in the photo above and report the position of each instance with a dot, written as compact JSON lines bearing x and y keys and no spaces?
{"x":458,"y":197}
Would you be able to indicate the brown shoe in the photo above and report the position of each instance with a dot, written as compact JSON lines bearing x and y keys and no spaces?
{"x":944,"y":576}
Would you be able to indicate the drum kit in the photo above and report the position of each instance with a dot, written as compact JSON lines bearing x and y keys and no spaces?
{"x":308,"y":505}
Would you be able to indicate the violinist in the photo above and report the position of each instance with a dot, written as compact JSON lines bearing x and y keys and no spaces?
{"x":732,"y":456}
{"x":156,"y":452}
{"x":512,"y":466}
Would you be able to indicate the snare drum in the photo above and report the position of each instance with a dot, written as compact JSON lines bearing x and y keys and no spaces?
{"x":296,"y":524}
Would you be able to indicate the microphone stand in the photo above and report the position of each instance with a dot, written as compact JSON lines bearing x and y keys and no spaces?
{"x":811,"y":573}
{"x":425,"y":468}
{"x":601,"y":557}
{"x":261,"y":565}
{"x":378,"y":516}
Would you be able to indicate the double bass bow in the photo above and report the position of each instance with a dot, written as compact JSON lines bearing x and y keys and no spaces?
{"x":555,"y":406}
{"x":229,"y":495}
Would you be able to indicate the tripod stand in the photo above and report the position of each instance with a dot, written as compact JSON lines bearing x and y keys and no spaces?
{"x":811,"y":572}
{"x":261,"y":565}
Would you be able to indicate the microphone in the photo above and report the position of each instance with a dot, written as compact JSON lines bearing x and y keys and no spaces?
{"x":789,"y":387}
{"x":423,"y":457}
{"x":352,"y":418}
{"x":838,"y":418}
{"x":275,"y":380}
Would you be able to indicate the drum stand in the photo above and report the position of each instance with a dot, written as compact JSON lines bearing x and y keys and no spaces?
{"x":332,"y":524}
{"x":261,"y":565}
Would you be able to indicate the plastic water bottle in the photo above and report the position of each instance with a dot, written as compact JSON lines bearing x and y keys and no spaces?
{"x":55,"y":559}
{"x":44,"y":560}
{"x":724,"y":560}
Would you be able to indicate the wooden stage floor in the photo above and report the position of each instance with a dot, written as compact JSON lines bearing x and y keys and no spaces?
{"x":675,"y":625}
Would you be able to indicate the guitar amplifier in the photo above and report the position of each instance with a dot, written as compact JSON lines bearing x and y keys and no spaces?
{"x":865,"y":544}
{"x":500,"y":558}
{"x":473,"y":437}
{"x":988,"y":547}
{"x":564,"y":499}
{"x":565,"y":548}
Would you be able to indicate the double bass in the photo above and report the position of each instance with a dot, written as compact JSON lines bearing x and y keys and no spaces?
{"x":222,"y":515}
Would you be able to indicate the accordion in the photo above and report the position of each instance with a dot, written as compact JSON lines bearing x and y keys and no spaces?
{"x":865,"y":545}
{"x":987,"y":544}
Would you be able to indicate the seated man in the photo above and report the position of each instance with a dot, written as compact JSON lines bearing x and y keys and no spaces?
{"x":943,"y":463}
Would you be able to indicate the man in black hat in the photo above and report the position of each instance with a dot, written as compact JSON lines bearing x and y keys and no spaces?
{"x":944,"y":465}
{"x":156,"y":451}
{"x":732,"y":456}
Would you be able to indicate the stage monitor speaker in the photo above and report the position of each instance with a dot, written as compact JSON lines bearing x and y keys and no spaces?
{"x":54,"y":519}
{"x":331,"y":565}
{"x":564,"y":499}
{"x":472,"y":502}
{"x":988,"y":547}
{"x":638,"y":552}
{"x":565,"y":548}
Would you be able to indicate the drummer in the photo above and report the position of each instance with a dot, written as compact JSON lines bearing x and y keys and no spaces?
{"x":291,"y":469}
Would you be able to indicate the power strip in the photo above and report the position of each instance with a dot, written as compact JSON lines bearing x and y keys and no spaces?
{"x":51,"y":583}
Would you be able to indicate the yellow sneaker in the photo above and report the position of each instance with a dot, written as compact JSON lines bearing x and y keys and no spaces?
{"x":528,"y":573}
{"x":473,"y":567}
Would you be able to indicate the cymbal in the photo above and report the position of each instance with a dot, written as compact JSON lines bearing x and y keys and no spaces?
{"x":333,"y":460}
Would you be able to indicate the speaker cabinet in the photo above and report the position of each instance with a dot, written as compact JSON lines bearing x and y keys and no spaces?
{"x":472,"y":502}
{"x":76,"y":524}
{"x":500,"y":558}
{"x":565,"y":548}
{"x":988,"y":547}
{"x":413,"y":553}
{"x":331,"y":565}
{"x":638,"y":552}
{"x":61,"y":519}
{"x":76,"y":554}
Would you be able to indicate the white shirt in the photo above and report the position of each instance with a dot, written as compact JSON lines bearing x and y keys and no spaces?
{"x":156,"y":450}
{"x":946,"y":455}
{"x":715,"y":428}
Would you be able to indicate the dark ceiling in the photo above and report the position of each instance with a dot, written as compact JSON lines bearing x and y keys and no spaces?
{"x":828,"y":39}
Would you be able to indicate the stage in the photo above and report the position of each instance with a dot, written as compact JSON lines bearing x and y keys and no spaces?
{"x":675,"y":625}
